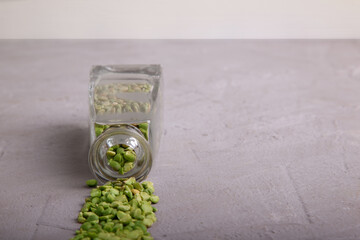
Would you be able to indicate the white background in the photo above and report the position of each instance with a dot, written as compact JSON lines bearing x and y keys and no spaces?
{"x":179,"y":19}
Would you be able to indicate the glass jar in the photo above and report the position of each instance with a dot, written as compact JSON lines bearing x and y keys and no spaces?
{"x":125,"y":120}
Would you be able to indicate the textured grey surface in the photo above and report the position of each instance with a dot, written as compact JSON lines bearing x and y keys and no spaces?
{"x":261,"y":138}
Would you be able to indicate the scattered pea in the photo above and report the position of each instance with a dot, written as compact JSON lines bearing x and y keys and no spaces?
{"x":91,"y":183}
{"x":154,"y":199}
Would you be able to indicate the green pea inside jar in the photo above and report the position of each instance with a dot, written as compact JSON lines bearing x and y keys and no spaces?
{"x":121,"y":158}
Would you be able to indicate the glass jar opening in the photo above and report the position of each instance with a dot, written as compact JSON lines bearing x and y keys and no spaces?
{"x":128,"y":144}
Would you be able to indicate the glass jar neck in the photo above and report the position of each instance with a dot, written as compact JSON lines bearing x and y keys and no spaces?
{"x":125,"y":134}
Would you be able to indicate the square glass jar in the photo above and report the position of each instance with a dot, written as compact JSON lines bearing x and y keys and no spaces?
{"x":126,"y":108}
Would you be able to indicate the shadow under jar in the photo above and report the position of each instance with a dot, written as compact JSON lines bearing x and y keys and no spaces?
{"x":126,"y":111}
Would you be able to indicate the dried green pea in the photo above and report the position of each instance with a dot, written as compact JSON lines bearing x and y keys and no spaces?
{"x":107,"y":211}
{"x":151,"y":216}
{"x":118,"y":157}
{"x":148,"y":222}
{"x":137,"y":214}
{"x":99,"y":126}
{"x":93,"y":218}
{"x":134,"y":203}
{"x":130,"y":181}
{"x":86,"y":207}
{"x":129,"y":194}
{"x":124,"y":207}
{"x":109,"y":226}
{"x":118,"y":226}
{"x":81,"y":219}
{"x":123,"y":217}
{"x":129,"y":156}
{"x":128,"y":166}
{"x":98,"y":131}
{"x":114,"y":191}
{"x":137,"y":196}
{"x":147,"y":208}
{"x":154,"y":199}
{"x":138,"y":186}
{"x":95,"y":193}
{"x":145,"y":133}
{"x":115,"y":165}
{"x":140,"y":225}
{"x":110,"y":153}
{"x":144,"y":126}
{"x":120,"y":150}
{"x":88,"y":214}
{"x":104,"y":204}
{"x":148,"y":186}
{"x":145,"y":196}
{"x":135,"y":191}
{"x":115,"y":203}
{"x":91,"y":182}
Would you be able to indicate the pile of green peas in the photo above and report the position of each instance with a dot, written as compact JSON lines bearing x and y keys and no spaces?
{"x":118,"y":210}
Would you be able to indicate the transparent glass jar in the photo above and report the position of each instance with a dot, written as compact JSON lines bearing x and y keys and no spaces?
{"x":125,"y":112}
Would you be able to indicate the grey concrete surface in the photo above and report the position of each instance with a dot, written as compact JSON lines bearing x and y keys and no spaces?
{"x":261,"y":138}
